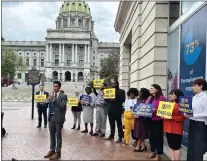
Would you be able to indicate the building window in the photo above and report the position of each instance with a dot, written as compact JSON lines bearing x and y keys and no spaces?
{"x":102,"y":55}
{"x":34,"y":62}
{"x":56,"y":62}
{"x":80,"y":62}
{"x":64,"y":22}
{"x":42,"y":63}
{"x":80,"y":23}
{"x":56,"y":56}
{"x":73,"y":22}
{"x":27,"y":53}
{"x":93,"y":52}
{"x":34,"y":53}
{"x":68,"y":62}
{"x":93,"y":63}
{"x":101,"y":63}
{"x":27,"y":62}
{"x":94,"y":58}
{"x":42,"y":54}
{"x":19,"y":75}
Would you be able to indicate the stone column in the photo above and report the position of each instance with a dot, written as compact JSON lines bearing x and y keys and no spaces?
{"x":51,"y":54}
{"x":63,"y":55}
{"x":68,"y":20}
{"x":89,"y":54}
{"x":85,"y":54}
{"x":47,"y":54}
{"x":73,"y":53}
{"x":76,"y":53}
{"x":60,"y":55}
{"x":61,"y":22}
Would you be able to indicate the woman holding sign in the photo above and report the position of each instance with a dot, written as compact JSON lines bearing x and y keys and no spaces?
{"x":88,"y":102}
{"x":76,"y":110}
{"x":197,"y":134}
{"x":140,"y":128}
{"x":174,"y":127}
{"x":155,"y":124}
{"x":128,"y":118}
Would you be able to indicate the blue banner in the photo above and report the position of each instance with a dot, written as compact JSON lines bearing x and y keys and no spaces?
{"x":86,"y":99}
{"x":142,"y":109}
{"x":192,"y":56}
{"x":185,"y":105}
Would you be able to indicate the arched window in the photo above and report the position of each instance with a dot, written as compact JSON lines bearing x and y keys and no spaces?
{"x":64,"y":22}
{"x":80,"y":22}
{"x":72,"y":22}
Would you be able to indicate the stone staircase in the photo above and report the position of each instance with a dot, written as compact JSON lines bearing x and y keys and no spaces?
{"x":24,"y":92}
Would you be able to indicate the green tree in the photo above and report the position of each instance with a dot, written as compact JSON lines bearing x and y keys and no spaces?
{"x":110,"y":67}
{"x":11,"y":63}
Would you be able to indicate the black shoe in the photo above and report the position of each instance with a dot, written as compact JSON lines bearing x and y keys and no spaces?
{"x":119,"y":141}
{"x":102,"y":135}
{"x":78,"y":127}
{"x":109,"y":138}
{"x":84,"y":131}
{"x":45,"y":126}
{"x":91,"y":132}
{"x":94,"y":134}
{"x":39,"y":126}
{"x":73,"y":127}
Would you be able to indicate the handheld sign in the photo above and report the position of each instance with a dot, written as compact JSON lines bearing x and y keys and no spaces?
{"x":98,"y":83}
{"x":73,"y":102}
{"x":165,"y":109}
{"x":40,"y":98}
{"x":86,"y":99}
{"x":185,"y":105}
{"x":109,"y":93}
{"x":142,"y":109}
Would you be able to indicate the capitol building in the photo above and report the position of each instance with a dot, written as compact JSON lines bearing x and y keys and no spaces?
{"x":71,"y":52}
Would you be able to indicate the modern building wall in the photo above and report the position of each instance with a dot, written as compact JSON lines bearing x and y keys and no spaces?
{"x":151,"y":46}
{"x":143,"y":43}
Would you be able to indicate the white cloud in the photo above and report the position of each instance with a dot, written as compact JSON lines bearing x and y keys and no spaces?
{"x":29,"y":20}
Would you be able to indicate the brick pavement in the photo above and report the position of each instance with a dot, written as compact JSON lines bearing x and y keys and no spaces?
{"x":25,"y":142}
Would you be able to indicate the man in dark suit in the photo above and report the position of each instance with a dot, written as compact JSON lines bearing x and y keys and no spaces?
{"x":57,"y":109}
{"x":42,"y":107}
{"x":115,"y":112}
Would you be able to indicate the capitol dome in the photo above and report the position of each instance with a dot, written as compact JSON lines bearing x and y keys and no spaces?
{"x":75,"y":6}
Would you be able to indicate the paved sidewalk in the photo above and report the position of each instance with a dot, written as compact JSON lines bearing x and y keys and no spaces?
{"x":25,"y":142}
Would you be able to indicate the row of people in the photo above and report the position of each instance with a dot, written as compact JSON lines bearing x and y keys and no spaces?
{"x":143,"y":128}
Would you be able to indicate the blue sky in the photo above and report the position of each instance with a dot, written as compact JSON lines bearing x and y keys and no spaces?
{"x":29,"y":20}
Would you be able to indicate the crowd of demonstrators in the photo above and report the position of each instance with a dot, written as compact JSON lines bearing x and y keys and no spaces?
{"x":140,"y":127}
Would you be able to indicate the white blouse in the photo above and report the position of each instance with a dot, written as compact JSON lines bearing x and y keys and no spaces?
{"x":129,"y":103}
{"x":199,"y":106}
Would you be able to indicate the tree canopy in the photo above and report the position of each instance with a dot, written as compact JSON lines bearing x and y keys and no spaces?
{"x":11,"y":63}
{"x":110,"y":67}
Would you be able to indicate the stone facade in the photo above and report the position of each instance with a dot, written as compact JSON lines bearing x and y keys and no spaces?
{"x":143,"y":43}
{"x":71,"y":51}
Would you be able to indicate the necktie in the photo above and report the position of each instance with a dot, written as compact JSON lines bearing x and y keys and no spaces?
{"x":55,"y":95}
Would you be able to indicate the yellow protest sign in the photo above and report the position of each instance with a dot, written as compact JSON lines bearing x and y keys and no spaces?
{"x":40,"y":98}
{"x":98,"y":83}
{"x":165,"y":109}
{"x":109,"y":93}
{"x":73,"y":102}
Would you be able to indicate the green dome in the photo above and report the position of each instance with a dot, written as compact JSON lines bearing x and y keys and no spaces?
{"x":75,"y":6}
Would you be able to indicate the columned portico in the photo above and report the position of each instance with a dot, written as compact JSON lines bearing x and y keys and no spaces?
{"x":51,"y":55}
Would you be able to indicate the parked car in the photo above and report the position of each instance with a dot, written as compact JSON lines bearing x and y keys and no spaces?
{"x":5,"y":82}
